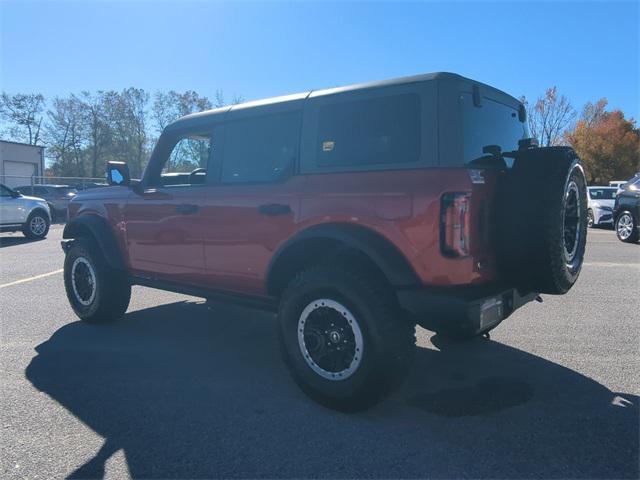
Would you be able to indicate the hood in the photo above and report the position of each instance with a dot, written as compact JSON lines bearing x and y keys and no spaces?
{"x":35,"y":199}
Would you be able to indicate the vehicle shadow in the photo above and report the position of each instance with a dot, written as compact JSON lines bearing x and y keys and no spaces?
{"x":10,"y":241}
{"x":188,"y":392}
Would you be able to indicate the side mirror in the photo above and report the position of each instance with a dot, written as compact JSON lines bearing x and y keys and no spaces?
{"x":15,"y":194}
{"x":118,"y":173}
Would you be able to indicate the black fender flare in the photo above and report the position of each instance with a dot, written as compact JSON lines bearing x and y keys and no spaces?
{"x":386,"y":256}
{"x":97,"y":229}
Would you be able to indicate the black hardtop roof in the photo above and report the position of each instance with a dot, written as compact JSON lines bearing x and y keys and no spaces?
{"x":188,"y":120}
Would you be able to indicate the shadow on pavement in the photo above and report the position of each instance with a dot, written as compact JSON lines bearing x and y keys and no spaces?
{"x":16,"y":240}
{"x":188,"y":392}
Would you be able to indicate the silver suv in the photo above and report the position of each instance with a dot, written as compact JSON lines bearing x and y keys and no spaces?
{"x":18,"y":212}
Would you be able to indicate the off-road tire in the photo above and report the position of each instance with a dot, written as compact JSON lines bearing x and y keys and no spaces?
{"x":535,"y":213}
{"x":111,"y":288}
{"x":633,"y":235}
{"x":28,"y":228}
{"x":388,"y":339}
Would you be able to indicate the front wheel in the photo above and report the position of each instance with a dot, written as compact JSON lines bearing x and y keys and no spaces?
{"x":37,"y":225}
{"x":343,"y":338}
{"x":626,"y":228}
{"x":97,"y":293}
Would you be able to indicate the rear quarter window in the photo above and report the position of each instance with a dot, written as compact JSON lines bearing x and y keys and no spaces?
{"x":367,"y":132}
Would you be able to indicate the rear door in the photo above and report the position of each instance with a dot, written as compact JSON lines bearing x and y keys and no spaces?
{"x":164,"y":219}
{"x":254,"y":205}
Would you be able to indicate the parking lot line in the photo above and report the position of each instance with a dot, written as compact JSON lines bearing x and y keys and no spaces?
{"x":36,"y":277}
{"x":611,"y":264}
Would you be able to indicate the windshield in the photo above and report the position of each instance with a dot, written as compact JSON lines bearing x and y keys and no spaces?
{"x":602,"y":193}
{"x":492,"y":123}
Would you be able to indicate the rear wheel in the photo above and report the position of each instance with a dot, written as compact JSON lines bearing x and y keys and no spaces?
{"x":97,"y":293}
{"x":343,"y":338}
{"x":626,"y":228}
{"x":37,"y":225}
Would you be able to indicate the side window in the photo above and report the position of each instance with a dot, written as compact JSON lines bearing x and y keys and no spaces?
{"x":260,"y":149}
{"x":373,"y":131}
{"x":188,"y":161}
{"x":4,"y":191}
{"x":40,"y":191}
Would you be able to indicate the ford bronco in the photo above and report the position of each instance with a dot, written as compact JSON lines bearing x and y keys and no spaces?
{"x":355,"y":213}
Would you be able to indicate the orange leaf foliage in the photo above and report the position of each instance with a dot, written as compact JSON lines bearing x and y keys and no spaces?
{"x":608,"y":144}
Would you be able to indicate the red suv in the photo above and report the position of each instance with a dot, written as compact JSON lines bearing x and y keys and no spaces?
{"x":354,"y":213}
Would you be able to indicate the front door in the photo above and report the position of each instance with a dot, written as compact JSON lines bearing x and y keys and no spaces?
{"x":164,"y":219}
{"x":12,"y":210}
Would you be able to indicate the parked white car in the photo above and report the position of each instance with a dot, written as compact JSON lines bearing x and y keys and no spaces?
{"x":619,"y":184}
{"x":600,"y":205}
{"x":30,"y":215}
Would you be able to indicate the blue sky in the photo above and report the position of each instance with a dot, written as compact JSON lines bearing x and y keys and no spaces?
{"x":588,"y":49}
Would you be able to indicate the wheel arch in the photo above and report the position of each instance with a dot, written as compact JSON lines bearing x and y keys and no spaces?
{"x":37,"y":209}
{"x":97,"y":229}
{"x":320,"y":241}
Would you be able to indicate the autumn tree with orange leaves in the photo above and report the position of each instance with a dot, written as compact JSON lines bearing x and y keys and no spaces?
{"x":607,"y":143}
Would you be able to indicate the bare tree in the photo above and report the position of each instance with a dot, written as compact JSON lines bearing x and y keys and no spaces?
{"x":550,"y":117}
{"x":66,"y":134}
{"x":593,"y":113}
{"x":98,"y":130}
{"x":172,"y":105}
{"x":23,"y":115}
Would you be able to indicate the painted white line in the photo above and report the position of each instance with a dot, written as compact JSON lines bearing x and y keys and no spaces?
{"x":611,"y":264}
{"x":17,"y":282}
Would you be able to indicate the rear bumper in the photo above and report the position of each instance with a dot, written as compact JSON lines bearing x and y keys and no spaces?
{"x":467,"y":310}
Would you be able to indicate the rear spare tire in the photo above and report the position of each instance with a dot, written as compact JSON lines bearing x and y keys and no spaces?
{"x":542,"y":220}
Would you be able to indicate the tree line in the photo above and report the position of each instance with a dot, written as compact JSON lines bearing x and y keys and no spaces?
{"x":606,"y":141}
{"x":83,"y":131}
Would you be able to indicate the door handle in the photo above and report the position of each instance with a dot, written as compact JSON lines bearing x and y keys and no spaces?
{"x":187,"y":209}
{"x":274,"y":209}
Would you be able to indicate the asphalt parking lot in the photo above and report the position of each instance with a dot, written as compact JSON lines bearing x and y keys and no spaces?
{"x":178,"y":390}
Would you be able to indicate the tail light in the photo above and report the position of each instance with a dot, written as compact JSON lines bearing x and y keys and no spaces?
{"x":455,"y":224}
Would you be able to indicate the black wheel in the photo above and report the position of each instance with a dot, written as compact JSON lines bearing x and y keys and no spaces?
{"x":37,"y":225}
{"x":590,"y":218}
{"x":542,"y":240}
{"x":96,"y":292}
{"x":343,"y":338}
{"x":626,"y":228}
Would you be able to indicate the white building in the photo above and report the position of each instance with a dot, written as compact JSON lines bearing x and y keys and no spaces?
{"x":19,"y":162}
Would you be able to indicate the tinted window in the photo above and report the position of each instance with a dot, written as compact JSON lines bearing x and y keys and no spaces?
{"x":374,"y":131}
{"x":4,"y":191}
{"x":40,"y":191}
{"x":602,"y":193}
{"x":260,"y":149}
{"x":492,"y":123}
